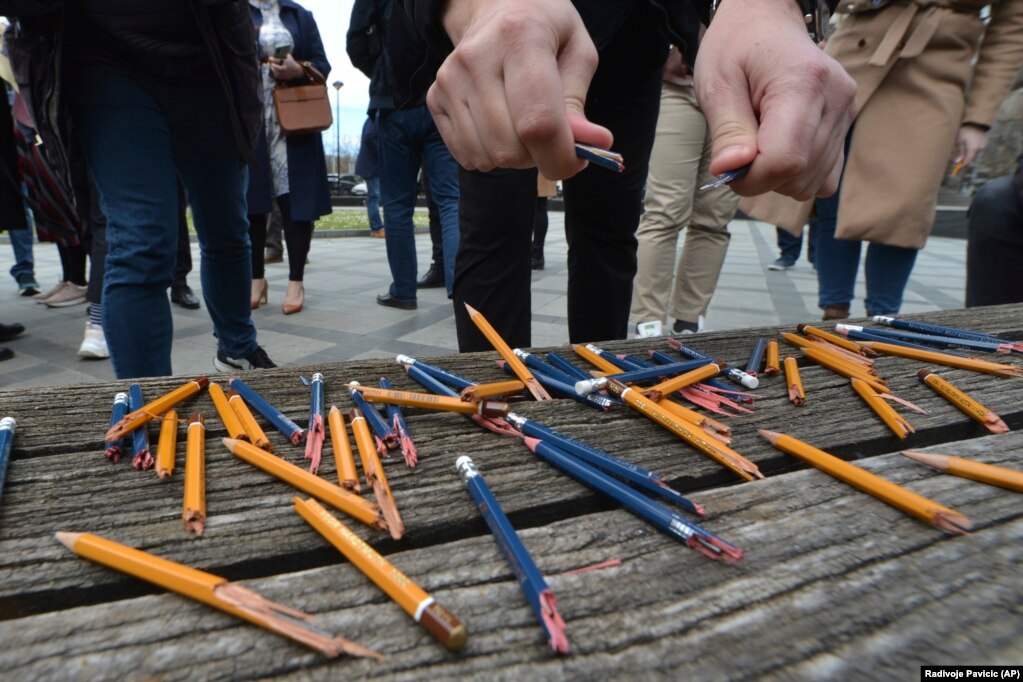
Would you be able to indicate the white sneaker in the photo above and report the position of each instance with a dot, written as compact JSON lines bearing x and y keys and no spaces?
{"x":94,"y":345}
{"x":645,"y":330}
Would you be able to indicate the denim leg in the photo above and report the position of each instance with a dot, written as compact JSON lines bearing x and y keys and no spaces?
{"x":373,"y":204}
{"x":994,"y":248}
{"x":442,"y":169}
{"x":887,"y":269}
{"x":837,"y":260}
{"x":400,"y":159}
{"x":21,"y":244}
{"x":789,"y":245}
{"x":131,"y":159}
{"x":210,"y":166}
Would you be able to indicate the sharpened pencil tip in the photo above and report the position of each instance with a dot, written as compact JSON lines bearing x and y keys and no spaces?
{"x":472,"y":311}
{"x":770,"y":436}
{"x":67,"y":538}
{"x":939,"y":462}
{"x":230,"y":443}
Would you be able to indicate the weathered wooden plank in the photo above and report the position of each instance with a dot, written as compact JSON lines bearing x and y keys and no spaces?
{"x":835,"y":585}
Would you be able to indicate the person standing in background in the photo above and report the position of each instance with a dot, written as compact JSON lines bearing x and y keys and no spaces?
{"x":679,"y":166}
{"x":994,"y":247}
{"x":545,"y":189}
{"x":293,"y":168}
{"x":367,"y":164}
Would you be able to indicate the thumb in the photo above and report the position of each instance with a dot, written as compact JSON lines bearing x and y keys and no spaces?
{"x":733,"y":126}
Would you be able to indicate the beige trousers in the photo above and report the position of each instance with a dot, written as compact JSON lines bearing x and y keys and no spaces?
{"x":679,"y":166}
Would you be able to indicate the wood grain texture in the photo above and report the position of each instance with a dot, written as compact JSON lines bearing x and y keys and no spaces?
{"x":835,"y":584}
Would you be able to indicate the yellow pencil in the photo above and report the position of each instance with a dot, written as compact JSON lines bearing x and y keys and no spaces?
{"x":194,"y":511}
{"x":227,"y":414}
{"x":1002,"y":477}
{"x":970,"y":407}
{"x":154,"y":409}
{"x":248,"y":422}
{"x":167,"y":445}
{"x":412,"y":599}
{"x":504,"y":350}
{"x":772,"y":365}
{"x":344,"y":460}
{"x":374,"y":472}
{"x":892,"y":419}
{"x":797,"y":396}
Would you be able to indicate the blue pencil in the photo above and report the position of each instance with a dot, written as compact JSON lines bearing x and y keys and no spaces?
{"x":734,"y":373}
{"x":533,"y":362}
{"x":113,"y":450}
{"x":449,"y":378}
{"x":400,"y":426}
{"x":601,"y":402}
{"x":945,"y":341}
{"x":540,"y":597}
{"x":292,"y":431}
{"x":868,"y":335}
{"x":941,"y":330}
{"x":645,"y":479}
{"x":565,"y":366}
{"x":434,"y":385}
{"x":140,"y":456}
{"x":665,"y":520}
{"x":602,"y":157}
{"x":657,"y":371}
{"x":385,"y":436}
{"x":756,"y":358}
{"x":317,"y":431}
{"x":7,"y":425}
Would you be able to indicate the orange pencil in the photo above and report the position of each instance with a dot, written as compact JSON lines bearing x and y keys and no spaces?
{"x":593,"y":357}
{"x":233,"y":598}
{"x":1002,"y":477}
{"x":194,"y":511}
{"x":909,"y":502}
{"x":496,"y":389}
{"x":772,"y":365}
{"x":344,"y":460}
{"x":504,"y":350}
{"x":168,"y":443}
{"x":374,"y":472}
{"x":711,"y":427}
{"x":797,"y":396}
{"x":248,"y":422}
{"x":892,"y":419}
{"x":843,"y":369}
{"x":835,"y":339}
{"x":939,"y":358}
{"x":970,"y":407}
{"x":430,"y":401}
{"x":325,"y":491}
{"x":227,"y":414}
{"x":821,"y":344}
{"x":154,"y":409}
{"x":677,"y":383}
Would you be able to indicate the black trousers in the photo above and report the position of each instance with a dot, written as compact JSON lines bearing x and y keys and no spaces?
{"x":602,"y":209}
{"x":994,"y":248}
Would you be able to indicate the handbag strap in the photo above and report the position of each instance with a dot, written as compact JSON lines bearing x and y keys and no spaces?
{"x":313,"y":73}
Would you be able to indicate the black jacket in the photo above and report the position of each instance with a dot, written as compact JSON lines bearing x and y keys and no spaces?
{"x":35,"y":50}
{"x":418,"y":44}
{"x":368,"y":32}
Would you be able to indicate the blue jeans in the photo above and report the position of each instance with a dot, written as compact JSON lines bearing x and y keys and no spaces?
{"x":887,"y":267}
{"x":21,"y":244}
{"x":140,"y":132}
{"x":408,"y":140}
{"x":373,"y":204}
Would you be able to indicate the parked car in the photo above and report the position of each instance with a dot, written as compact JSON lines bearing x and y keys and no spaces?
{"x":341,"y":186}
{"x":360,"y":190}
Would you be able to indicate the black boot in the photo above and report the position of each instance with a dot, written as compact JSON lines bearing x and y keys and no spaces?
{"x":433,"y":278}
{"x":536,"y":262}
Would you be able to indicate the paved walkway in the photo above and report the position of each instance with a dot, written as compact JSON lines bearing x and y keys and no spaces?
{"x":342,"y":321}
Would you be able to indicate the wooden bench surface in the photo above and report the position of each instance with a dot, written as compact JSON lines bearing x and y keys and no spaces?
{"x":834,"y":582}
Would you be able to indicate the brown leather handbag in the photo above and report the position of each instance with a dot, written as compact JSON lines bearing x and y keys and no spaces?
{"x":303,"y":109}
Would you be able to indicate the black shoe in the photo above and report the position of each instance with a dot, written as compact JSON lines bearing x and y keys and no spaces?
{"x":6,"y":354}
{"x":781,"y":264}
{"x":433,"y":279}
{"x":683,"y":327}
{"x":184,"y":297}
{"x":27,"y":284}
{"x":536,"y":262}
{"x":258,"y":359}
{"x":392,"y":302}
{"x":9,"y":331}
{"x":272,"y":255}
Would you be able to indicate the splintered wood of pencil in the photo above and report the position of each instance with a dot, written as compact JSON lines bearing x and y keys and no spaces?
{"x":905,"y":500}
{"x":892,"y":419}
{"x":797,"y":396}
{"x":141,"y":416}
{"x":967,"y":405}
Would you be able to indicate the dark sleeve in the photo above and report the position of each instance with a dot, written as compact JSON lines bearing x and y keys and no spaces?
{"x":363,"y":38}
{"x":24,"y":8}
{"x":313,"y":51}
{"x":418,"y":46}
{"x":1017,"y":182}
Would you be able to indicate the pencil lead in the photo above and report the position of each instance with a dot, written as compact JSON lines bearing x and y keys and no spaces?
{"x":67,"y":538}
{"x":472,"y":311}
{"x":939,"y":462}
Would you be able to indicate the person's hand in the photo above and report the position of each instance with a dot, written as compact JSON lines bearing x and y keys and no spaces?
{"x":286,"y":69}
{"x":773,"y":100}
{"x":970,"y":141}
{"x":511,"y":94}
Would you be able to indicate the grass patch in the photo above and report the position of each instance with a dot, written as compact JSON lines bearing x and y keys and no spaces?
{"x":345,"y":221}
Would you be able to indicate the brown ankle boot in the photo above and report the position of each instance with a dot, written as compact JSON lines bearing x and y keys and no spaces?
{"x":836,"y":312}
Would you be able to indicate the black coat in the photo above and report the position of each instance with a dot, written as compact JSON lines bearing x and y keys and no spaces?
{"x":12,"y":207}
{"x":368,"y":31}
{"x":307,"y":166}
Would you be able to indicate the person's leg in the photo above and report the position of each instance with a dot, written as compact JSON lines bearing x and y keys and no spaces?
{"x":94,"y":342}
{"x":434,"y":276}
{"x":603,"y":208}
{"x":376,"y":223}
{"x":210,"y":166}
{"x":540,"y":224}
{"x":789,"y":246}
{"x":183,"y":261}
{"x":838,"y":260}
{"x":492,"y":267}
{"x":400,"y":160}
{"x":442,"y":169}
{"x":674,"y":164}
{"x":298,"y":235}
{"x":994,"y":247}
{"x":23,"y":270}
{"x":131,"y":160}
{"x":887,"y":269}
{"x":274,"y":250}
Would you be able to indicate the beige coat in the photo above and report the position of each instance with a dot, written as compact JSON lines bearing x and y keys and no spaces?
{"x":911,"y":62}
